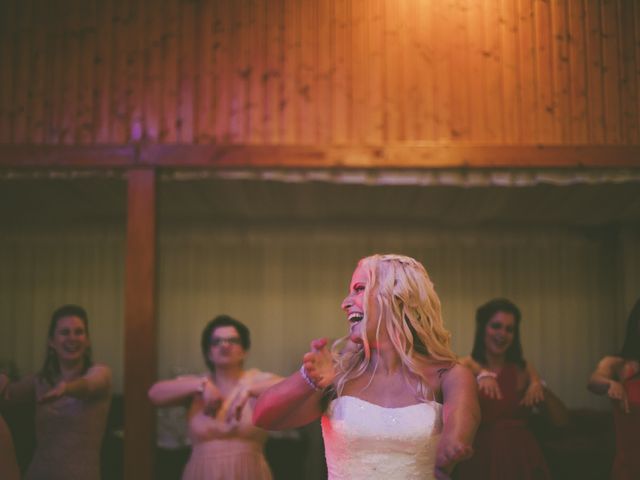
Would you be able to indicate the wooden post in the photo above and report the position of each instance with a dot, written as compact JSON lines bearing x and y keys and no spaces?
{"x":140,"y":325}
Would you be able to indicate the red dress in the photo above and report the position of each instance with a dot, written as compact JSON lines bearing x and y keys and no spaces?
{"x":505,"y":448}
{"x":626,"y":464}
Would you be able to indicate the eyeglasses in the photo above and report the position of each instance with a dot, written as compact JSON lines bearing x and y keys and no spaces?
{"x":216,"y":341}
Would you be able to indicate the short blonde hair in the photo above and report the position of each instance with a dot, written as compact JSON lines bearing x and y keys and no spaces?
{"x":410,"y":312}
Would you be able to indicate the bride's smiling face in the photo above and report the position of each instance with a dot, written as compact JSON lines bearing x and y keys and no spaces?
{"x":354,"y":307}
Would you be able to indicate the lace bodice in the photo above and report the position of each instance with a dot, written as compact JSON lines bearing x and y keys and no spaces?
{"x":366,"y":441}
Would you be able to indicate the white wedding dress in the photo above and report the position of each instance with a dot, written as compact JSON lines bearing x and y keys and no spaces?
{"x":366,"y":441}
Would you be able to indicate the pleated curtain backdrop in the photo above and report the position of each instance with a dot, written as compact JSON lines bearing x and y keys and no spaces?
{"x":287,"y":285}
{"x":575,"y":289}
{"x":44,"y":268}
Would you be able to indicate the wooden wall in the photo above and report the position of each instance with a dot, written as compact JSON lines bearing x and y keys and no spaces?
{"x":326,"y":72}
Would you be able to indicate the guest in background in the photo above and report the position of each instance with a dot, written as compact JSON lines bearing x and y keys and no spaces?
{"x":509,"y":388}
{"x":72,"y":396}
{"x":225,"y":444}
{"x":618,"y":377}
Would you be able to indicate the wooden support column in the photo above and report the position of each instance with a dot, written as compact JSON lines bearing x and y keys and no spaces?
{"x":140,"y":325}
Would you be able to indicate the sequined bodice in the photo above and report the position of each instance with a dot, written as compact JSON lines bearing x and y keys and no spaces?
{"x":366,"y":441}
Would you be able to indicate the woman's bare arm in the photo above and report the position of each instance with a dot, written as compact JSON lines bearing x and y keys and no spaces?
{"x":605,"y":380}
{"x":461,"y":417}
{"x":294,"y":401}
{"x":291,"y":403}
{"x":177,"y":391}
{"x":22,"y":390}
{"x":95,"y":383}
{"x":605,"y":374}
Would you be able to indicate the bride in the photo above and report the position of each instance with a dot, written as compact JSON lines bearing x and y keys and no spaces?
{"x":393,"y":400}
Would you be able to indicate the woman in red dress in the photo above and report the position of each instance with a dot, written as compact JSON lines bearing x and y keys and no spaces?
{"x":618,"y":376}
{"x":509,"y":387}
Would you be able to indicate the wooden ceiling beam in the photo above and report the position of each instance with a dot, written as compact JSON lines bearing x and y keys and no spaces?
{"x":397,"y":156}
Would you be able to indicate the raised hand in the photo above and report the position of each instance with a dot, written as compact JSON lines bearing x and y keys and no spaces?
{"x":318,"y":363}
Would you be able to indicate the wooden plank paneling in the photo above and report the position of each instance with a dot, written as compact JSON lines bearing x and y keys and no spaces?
{"x":320,"y":73}
{"x":510,"y":66}
{"x":562,"y":84}
{"x":595,"y":94}
{"x":382,"y":48}
{"x":341,"y":87}
{"x":21,"y":69}
{"x":119,"y":112}
{"x":102,"y":106}
{"x":7,"y":49}
{"x":37,"y":80}
{"x":135,"y":83}
{"x":152,"y":55}
{"x":87,"y":36}
{"x":326,"y":59}
{"x":169,"y":100}
{"x":491,"y":56}
{"x":545,"y":73}
{"x":578,"y":72}
{"x":630,"y":115}
{"x":255,"y":61}
{"x":188,"y":51}
{"x":476,"y":81}
{"x":442,"y":72}
{"x":611,"y":71}
{"x":528,"y":55}
{"x":305,"y":96}
{"x":459,"y":68}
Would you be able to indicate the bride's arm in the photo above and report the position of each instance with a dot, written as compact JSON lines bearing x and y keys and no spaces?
{"x":460,"y":416}
{"x":297,"y":400}
{"x":288,"y":404}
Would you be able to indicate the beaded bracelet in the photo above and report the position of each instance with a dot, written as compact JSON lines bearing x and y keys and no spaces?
{"x":486,"y":374}
{"x":311,"y":383}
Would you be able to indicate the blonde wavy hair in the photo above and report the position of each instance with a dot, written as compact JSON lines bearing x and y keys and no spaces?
{"x":402,"y":293}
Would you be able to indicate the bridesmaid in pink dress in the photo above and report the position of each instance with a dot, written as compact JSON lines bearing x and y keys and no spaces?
{"x":72,"y":396}
{"x":225,"y":444}
{"x":618,"y":377}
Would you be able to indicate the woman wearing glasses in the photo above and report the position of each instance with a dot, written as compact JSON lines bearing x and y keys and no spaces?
{"x":224,"y":442}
